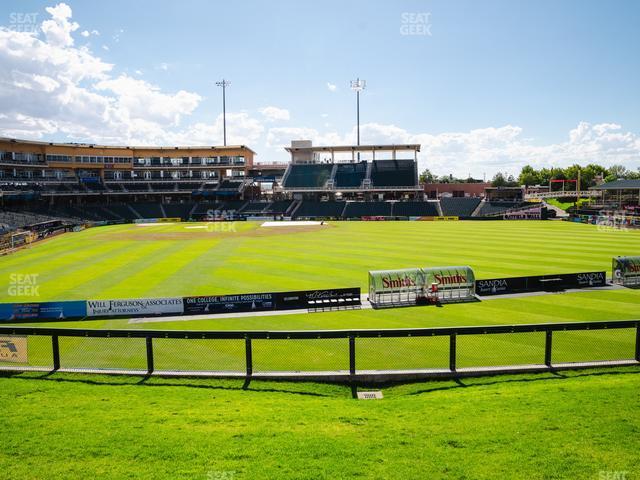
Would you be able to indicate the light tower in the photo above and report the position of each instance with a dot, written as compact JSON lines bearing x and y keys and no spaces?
{"x":224,"y":84}
{"x":357,"y":86}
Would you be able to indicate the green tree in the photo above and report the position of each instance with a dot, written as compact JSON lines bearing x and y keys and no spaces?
{"x":499,"y":180}
{"x":616,"y":172}
{"x":427,"y":176}
{"x":528,"y":176}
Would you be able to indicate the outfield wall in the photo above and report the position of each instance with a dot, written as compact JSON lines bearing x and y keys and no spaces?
{"x":321,"y":299}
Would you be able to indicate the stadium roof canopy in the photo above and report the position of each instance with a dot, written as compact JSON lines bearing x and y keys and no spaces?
{"x":619,"y":185}
{"x":125,"y":147}
{"x":354,"y":148}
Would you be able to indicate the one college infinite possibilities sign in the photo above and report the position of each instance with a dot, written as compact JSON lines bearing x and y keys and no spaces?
{"x":249,"y":302}
{"x":145,"y":306}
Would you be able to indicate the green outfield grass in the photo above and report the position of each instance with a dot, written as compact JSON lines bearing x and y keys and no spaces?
{"x":551,"y":426}
{"x":578,"y":425}
{"x":130,"y":261}
{"x":173,"y":260}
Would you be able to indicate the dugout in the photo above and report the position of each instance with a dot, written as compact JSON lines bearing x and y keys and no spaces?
{"x":389,"y":288}
{"x":626,"y":271}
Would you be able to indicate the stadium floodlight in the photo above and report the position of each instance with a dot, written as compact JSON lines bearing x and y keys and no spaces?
{"x":224,"y":84}
{"x":358,"y":86}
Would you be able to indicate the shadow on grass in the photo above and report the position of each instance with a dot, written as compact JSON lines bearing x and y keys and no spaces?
{"x":470,"y":382}
{"x":147,"y":381}
{"x":340,"y":390}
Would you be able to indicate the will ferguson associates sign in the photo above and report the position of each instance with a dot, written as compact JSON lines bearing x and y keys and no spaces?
{"x":145,"y":306}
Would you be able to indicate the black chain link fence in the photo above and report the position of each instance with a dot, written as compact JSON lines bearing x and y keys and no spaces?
{"x":330,"y":353}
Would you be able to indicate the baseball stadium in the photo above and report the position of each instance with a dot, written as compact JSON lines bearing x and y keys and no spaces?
{"x":225,"y":255}
{"x":298,"y":289}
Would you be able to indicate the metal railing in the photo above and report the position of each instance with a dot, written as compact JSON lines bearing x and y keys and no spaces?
{"x":331,"y":355}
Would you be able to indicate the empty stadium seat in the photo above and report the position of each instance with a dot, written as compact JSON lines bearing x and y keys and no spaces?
{"x":367,"y":209}
{"x":459,"y":206}
{"x":307,"y":176}
{"x":350,"y":174}
{"x":415,"y":209}
{"x":311,"y":209}
{"x":492,"y":208}
{"x":148,"y":210}
{"x":279,"y":207}
{"x":394,"y":173}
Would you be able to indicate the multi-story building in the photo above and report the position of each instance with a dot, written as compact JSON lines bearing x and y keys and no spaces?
{"x":59,"y":172}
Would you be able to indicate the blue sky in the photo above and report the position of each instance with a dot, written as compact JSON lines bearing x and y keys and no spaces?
{"x":491,"y":86}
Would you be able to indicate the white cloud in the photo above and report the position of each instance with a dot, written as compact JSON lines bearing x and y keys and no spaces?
{"x":137,"y":98}
{"x":87,"y":33}
{"x":332,"y":87}
{"x":274,"y":113}
{"x":105,"y":48}
{"x":485,"y":150}
{"x":164,"y":66}
{"x":51,"y":88}
{"x":58,"y":29}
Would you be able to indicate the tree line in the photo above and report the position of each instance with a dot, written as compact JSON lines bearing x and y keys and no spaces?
{"x":588,"y":175}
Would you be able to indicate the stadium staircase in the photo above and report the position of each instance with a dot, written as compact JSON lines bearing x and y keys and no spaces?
{"x":463,"y":207}
{"x":476,"y":211}
{"x":133,"y":210}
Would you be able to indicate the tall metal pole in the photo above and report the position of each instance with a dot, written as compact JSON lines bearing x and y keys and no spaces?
{"x":358,"y":114}
{"x":357,"y":86}
{"x":224,"y":84}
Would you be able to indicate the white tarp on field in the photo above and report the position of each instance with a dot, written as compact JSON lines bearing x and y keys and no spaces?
{"x":290,"y":224}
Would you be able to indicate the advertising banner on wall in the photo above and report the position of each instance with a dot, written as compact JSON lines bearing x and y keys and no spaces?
{"x":133,"y":307}
{"x":540,"y":283}
{"x":13,"y":349}
{"x":317,"y":298}
{"x":42,"y":310}
{"x":626,"y":271}
{"x":250,"y":302}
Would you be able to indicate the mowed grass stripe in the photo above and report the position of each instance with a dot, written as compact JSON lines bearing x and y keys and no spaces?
{"x":86,"y":277}
{"x":199,"y":274}
{"x":61,"y":269}
{"x":143,"y":283}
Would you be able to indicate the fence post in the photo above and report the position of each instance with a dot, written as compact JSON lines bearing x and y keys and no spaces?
{"x":249,"y":356}
{"x":638,"y":343}
{"x":56,"y":352}
{"x":149,"y":341}
{"x":352,"y":366}
{"x":547,"y":348}
{"x":352,"y":355}
{"x":453,"y":346}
